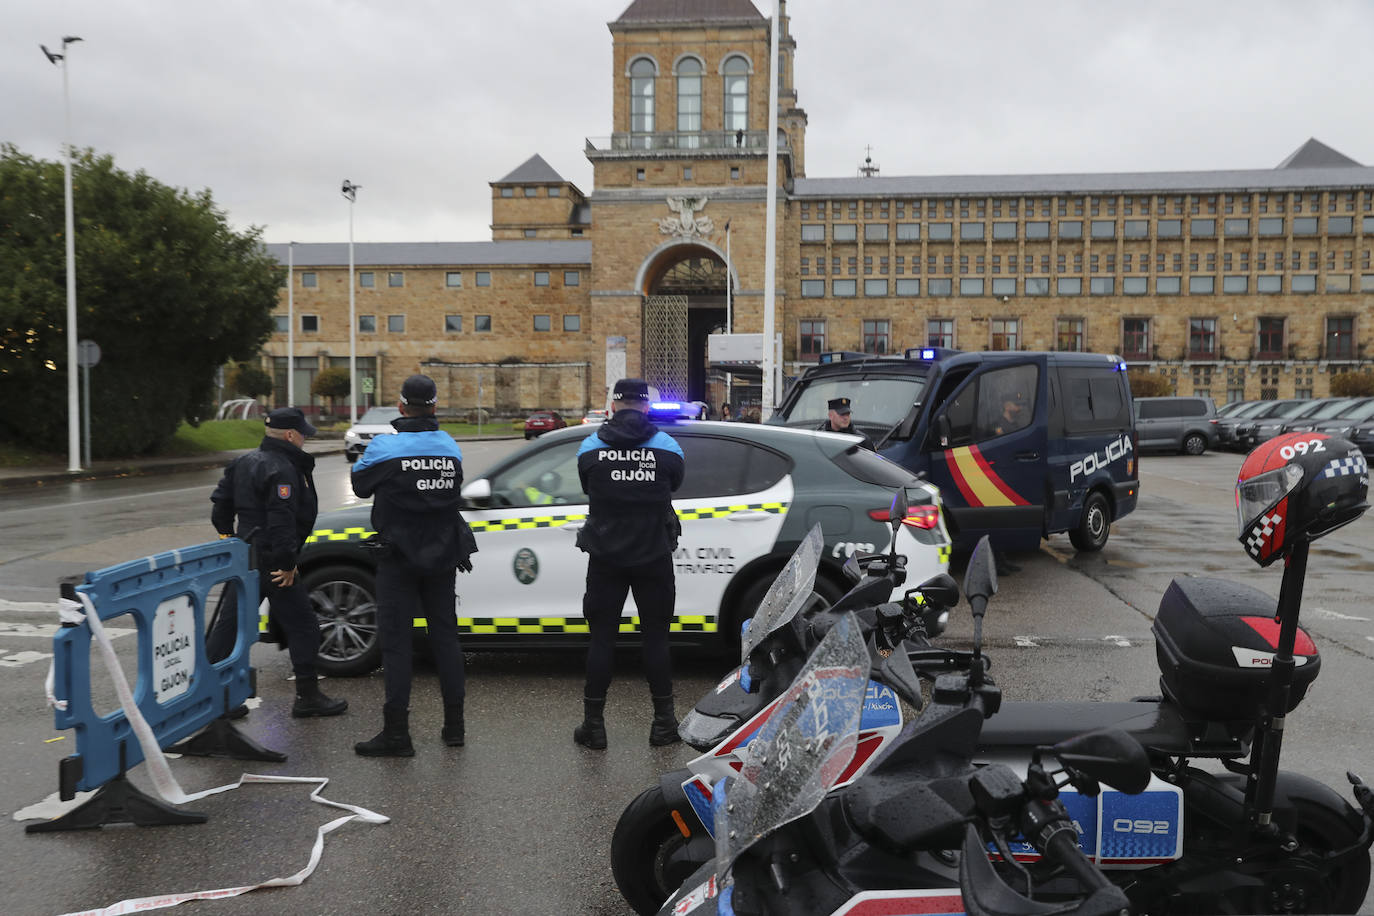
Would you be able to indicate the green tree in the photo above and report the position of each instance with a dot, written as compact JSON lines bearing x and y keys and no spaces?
{"x":166,"y":288}
{"x":250,"y":380}
{"x":1149,"y":385}
{"x":332,"y":383}
{"x":1353,"y":385}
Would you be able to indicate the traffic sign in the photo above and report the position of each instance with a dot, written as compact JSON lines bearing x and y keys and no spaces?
{"x":87,"y":353}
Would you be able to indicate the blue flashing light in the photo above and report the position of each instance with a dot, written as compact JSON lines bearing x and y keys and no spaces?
{"x":666,"y":407}
{"x":928,"y":354}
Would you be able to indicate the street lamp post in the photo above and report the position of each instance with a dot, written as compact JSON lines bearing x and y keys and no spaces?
{"x":350,"y":191}
{"x":729,"y":327}
{"x":291,"y":324}
{"x":73,"y":401}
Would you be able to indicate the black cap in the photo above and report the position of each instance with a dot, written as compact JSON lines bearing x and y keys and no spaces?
{"x":630,"y":389}
{"x":290,"y":418}
{"x":419,"y":389}
{"x":839,"y":405}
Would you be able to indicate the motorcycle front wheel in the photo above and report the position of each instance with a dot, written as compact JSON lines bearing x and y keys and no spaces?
{"x":650,"y":858}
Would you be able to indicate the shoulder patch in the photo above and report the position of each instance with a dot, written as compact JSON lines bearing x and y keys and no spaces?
{"x":284,"y":491}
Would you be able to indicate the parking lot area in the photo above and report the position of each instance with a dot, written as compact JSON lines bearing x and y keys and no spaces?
{"x":519,"y":820}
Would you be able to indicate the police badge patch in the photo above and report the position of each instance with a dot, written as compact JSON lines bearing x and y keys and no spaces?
{"x":284,"y":491}
{"x":525,"y":566}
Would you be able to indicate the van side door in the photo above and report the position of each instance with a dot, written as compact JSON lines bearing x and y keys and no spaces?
{"x":988,"y":453}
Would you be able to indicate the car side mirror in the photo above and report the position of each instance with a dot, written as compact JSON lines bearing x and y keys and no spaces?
{"x":940,"y":433}
{"x":476,"y":491}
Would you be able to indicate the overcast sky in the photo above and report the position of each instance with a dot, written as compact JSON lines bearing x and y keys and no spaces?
{"x":272,"y":103}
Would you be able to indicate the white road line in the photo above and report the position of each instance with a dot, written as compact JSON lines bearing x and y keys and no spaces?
{"x":19,"y":659}
{"x":1336,"y":615}
{"x":1026,"y":642}
{"x":48,"y":630}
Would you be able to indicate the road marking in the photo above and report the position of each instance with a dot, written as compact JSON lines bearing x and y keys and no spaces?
{"x":49,"y":630}
{"x":1335,"y":615}
{"x":19,"y":659}
{"x":77,"y":504}
{"x":1026,"y":642}
{"x":1121,"y":641}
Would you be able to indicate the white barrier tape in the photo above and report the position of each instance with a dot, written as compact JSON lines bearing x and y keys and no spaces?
{"x":69,"y":612}
{"x":167,"y":786}
{"x":142,"y":904}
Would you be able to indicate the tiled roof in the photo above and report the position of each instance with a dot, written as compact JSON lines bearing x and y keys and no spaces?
{"x":1315,"y":154}
{"x":533,"y":169}
{"x":435,"y":254}
{"x":643,"y":12}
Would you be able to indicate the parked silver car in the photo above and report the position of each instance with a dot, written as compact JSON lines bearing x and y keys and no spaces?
{"x":1184,"y":424}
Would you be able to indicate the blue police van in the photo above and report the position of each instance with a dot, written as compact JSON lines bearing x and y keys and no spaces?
{"x":1021,"y":444}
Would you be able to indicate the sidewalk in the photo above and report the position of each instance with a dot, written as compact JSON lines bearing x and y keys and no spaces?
{"x":38,"y":475}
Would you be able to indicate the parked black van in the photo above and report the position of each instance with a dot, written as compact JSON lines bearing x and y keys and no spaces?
{"x":1022,"y":444}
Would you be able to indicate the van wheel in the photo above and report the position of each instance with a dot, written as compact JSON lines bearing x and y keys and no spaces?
{"x":1195,"y":444}
{"x":1091,"y":533}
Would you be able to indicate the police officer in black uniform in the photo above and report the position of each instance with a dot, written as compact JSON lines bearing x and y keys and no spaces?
{"x":629,"y":469}
{"x":421,"y":539}
{"x":839,"y":421}
{"x":271,"y":494}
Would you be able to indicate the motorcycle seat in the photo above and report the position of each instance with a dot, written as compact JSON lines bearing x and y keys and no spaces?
{"x":1155,"y":725}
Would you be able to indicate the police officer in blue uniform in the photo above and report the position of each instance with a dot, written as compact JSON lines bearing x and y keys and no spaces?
{"x":270,"y":493}
{"x":629,"y":470}
{"x":414,"y":477}
{"x":838,"y":420}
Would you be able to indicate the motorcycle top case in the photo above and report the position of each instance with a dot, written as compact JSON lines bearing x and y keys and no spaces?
{"x":1216,"y":641}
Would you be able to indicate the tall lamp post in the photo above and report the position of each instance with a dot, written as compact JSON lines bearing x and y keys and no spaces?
{"x":73,"y":401}
{"x":291,"y":324}
{"x":350,"y":191}
{"x":729,"y":327}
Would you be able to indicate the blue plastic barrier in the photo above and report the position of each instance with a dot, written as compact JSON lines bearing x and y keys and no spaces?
{"x":178,"y":690}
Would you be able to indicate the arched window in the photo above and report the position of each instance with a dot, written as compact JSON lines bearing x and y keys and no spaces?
{"x":736,"y":72}
{"x":689,"y":102}
{"x":642,"y":73}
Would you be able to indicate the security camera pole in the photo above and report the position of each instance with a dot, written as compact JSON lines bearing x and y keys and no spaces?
{"x":350,"y":190}
{"x":73,"y":400}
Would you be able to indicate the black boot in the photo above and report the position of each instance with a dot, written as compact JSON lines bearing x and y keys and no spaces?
{"x":311,"y":703}
{"x":392,"y":741}
{"x":453,"y":724}
{"x":592,"y":732}
{"x":663,"y":731}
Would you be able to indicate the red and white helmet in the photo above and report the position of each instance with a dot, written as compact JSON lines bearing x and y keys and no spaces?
{"x":1298,"y":486}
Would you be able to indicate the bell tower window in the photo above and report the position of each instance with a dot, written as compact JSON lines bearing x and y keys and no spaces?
{"x":736,"y":73}
{"x":642,"y":73}
{"x":689,"y":102}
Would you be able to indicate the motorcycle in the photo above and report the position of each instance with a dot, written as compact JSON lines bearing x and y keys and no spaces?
{"x":1251,"y":838}
{"x":913,"y":835}
{"x":665,"y":833}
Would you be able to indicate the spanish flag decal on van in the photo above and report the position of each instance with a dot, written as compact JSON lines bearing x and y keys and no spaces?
{"x":978,"y":483}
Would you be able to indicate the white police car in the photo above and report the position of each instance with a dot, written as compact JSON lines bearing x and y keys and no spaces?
{"x":749,"y":494}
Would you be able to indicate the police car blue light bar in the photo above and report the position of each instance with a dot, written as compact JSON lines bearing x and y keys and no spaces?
{"x":836,"y":356}
{"x":928,"y":354}
{"x":666,"y":407}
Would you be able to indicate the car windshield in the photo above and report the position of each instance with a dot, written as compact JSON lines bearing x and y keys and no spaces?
{"x":1292,"y":408}
{"x":1252,"y":410}
{"x":379,"y":416}
{"x":1330,"y":409}
{"x":1363,"y":412}
{"x":876,"y":402}
{"x":801,"y":750}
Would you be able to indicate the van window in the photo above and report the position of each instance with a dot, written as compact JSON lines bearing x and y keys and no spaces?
{"x":1172,"y":407}
{"x":998,"y":402}
{"x":1093,"y":400}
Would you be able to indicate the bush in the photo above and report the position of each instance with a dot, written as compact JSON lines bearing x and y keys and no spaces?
{"x":479,"y":415}
{"x":1353,"y":385}
{"x":1149,"y":385}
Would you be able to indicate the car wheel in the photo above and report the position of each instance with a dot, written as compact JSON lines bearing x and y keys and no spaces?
{"x":1195,"y":444}
{"x":823,"y":594}
{"x":351,"y":457}
{"x":1096,"y":524}
{"x":345,"y":605}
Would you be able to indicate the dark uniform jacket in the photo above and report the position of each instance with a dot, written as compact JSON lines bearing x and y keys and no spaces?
{"x":272,"y":493}
{"x":414,"y":477}
{"x":852,"y":430}
{"x":629,"y":470}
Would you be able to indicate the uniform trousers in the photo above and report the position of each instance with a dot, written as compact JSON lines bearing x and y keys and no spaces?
{"x":655,"y":592}
{"x":291,"y":612}
{"x":404,"y":593}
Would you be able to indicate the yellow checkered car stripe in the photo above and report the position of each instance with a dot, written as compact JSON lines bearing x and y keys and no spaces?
{"x":682,"y":623}
{"x":549,"y":521}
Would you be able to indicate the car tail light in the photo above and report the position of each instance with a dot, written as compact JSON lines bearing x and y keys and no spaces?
{"x":926,"y":517}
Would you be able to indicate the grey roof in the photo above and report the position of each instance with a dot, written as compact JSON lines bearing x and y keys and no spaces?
{"x":647,"y":12}
{"x":533,"y":169}
{"x":1088,"y":183}
{"x":1315,"y":154}
{"x":434,"y":254}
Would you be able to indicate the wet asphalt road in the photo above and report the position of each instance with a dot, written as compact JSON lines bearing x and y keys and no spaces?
{"x":519,"y":820}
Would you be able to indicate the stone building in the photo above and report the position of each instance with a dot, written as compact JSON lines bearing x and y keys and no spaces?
{"x":1234,"y":283}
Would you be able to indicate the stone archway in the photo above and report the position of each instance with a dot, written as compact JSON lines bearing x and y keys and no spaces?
{"x":683,"y":288}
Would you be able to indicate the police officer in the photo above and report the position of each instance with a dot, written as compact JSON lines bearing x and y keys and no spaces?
{"x":629,"y":470}
{"x":421,"y":540}
{"x":839,"y":421}
{"x":271,"y":495}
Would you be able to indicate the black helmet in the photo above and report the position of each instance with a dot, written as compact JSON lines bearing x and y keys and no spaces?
{"x":1298,"y":486}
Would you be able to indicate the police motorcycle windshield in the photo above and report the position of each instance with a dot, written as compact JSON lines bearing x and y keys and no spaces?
{"x":801,"y":751}
{"x":788,"y":593}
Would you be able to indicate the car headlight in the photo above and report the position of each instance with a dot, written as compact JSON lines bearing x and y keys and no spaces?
{"x":351,"y":436}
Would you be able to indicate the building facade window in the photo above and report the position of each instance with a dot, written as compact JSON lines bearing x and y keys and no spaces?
{"x":1037,"y":230}
{"x":310,"y":279}
{"x":812,"y":343}
{"x":971,"y":232}
{"x":1337,"y":283}
{"x":1304,"y":225}
{"x":845,"y":232}
{"x":541,"y":278}
{"x":1004,"y":286}
{"x":281,"y":324}
{"x":1269,"y":333}
{"x":812,"y":289}
{"x":1235,"y":283}
{"x":395,"y":278}
{"x":688,"y":101}
{"x":1135,"y":338}
{"x":1236,"y":227}
{"x":1340,"y":337}
{"x":367,"y":324}
{"x":481,"y":324}
{"x":1136,"y":228}
{"x":1270,"y":226}
{"x":1269,"y":283}
{"x":1002,"y":231}
{"x":939,"y":286}
{"x":813,"y":232}
{"x":940,"y":332}
{"x":1103,"y":228}
{"x":1070,"y":228}
{"x":572,"y":323}
{"x":1339,"y":225}
{"x":908,"y":232}
{"x":736,"y":73}
{"x":531,"y":233}
{"x":1134,"y":286}
{"x":484,"y":278}
{"x":1069,"y":334}
{"x":875,"y":287}
{"x":453,"y":279}
{"x":1202,"y":338}
{"x":367,"y":279}
{"x":1102,"y":286}
{"x":940,"y":232}
{"x":543,"y":323}
{"x":875,"y":335}
{"x":642,"y":73}
{"x":970,"y":286}
{"x":875,"y":232}
{"x":1201,"y":286}
{"x":453,"y":324}
{"x":310,"y":324}
{"x":1068,"y":286}
{"x":1006,"y":333}
{"x":908,"y":287}
{"x":396,"y":324}
{"x":844,"y":288}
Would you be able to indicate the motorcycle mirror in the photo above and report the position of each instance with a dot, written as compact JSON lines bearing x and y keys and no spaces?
{"x":1108,"y":755}
{"x":980,"y":579}
{"x":898,"y":511}
{"x":941,"y":590}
